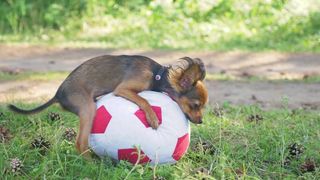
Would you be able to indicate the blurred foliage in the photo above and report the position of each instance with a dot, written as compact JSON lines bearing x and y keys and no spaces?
{"x":21,"y":16}
{"x":285,"y":25}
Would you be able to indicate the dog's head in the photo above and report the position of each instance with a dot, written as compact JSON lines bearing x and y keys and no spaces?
{"x":186,"y":79}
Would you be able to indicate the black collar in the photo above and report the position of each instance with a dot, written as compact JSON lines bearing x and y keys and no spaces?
{"x":161,"y":83}
{"x":159,"y":75}
{"x":160,"y":78}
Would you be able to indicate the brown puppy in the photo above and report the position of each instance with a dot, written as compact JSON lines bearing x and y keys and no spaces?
{"x":126,"y":76}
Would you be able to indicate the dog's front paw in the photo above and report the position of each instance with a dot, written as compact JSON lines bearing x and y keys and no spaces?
{"x":152,"y":119}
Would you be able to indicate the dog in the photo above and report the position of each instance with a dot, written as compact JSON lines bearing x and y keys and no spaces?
{"x":126,"y":76}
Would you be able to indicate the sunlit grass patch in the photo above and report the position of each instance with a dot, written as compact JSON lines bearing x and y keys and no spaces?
{"x":33,"y":76}
{"x":253,"y":25}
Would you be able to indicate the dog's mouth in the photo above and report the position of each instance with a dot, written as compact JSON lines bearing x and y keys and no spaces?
{"x":187,"y":116}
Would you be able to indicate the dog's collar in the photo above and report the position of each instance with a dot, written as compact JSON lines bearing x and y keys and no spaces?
{"x":159,"y":74}
{"x":161,"y":83}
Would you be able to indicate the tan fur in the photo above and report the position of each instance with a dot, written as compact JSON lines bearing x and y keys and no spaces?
{"x":186,"y":68}
{"x":203,"y":93}
{"x":129,"y":90}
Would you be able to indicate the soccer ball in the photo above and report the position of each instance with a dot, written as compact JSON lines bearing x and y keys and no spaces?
{"x":120,"y":130}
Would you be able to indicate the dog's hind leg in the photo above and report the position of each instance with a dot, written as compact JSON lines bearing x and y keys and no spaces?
{"x":82,"y":104}
{"x":86,"y":115}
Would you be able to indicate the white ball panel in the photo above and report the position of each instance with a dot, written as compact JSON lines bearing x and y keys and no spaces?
{"x":125,"y":130}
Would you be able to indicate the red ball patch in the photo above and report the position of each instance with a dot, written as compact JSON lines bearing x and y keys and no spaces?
{"x":142,"y":115}
{"x":181,"y":147}
{"x":132,"y":155}
{"x":101,"y":121}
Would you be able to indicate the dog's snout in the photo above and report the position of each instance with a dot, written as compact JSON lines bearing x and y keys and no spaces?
{"x":200,"y":121}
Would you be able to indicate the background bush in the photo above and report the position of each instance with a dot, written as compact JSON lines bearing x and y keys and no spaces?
{"x":285,"y":25}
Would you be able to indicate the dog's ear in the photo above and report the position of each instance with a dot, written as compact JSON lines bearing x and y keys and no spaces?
{"x":187,"y":73}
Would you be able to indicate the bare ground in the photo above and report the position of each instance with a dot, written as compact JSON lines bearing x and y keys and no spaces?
{"x":267,"y":65}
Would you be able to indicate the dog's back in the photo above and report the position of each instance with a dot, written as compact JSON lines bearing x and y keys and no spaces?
{"x":101,"y":75}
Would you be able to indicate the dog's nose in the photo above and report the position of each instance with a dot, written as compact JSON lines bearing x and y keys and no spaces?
{"x":200,"y":121}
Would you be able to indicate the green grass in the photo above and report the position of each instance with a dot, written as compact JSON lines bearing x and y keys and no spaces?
{"x":256,"y":149}
{"x":32,"y":76}
{"x":254,"y":25}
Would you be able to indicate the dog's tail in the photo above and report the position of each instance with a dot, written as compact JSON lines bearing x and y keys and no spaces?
{"x":32,"y":111}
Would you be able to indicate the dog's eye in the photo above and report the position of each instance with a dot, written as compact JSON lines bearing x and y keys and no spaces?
{"x":194,"y":106}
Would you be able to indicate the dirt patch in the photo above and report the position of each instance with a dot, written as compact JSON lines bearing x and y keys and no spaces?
{"x":267,"y":64}
{"x":268,"y":95}
{"x":271,"y":65}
